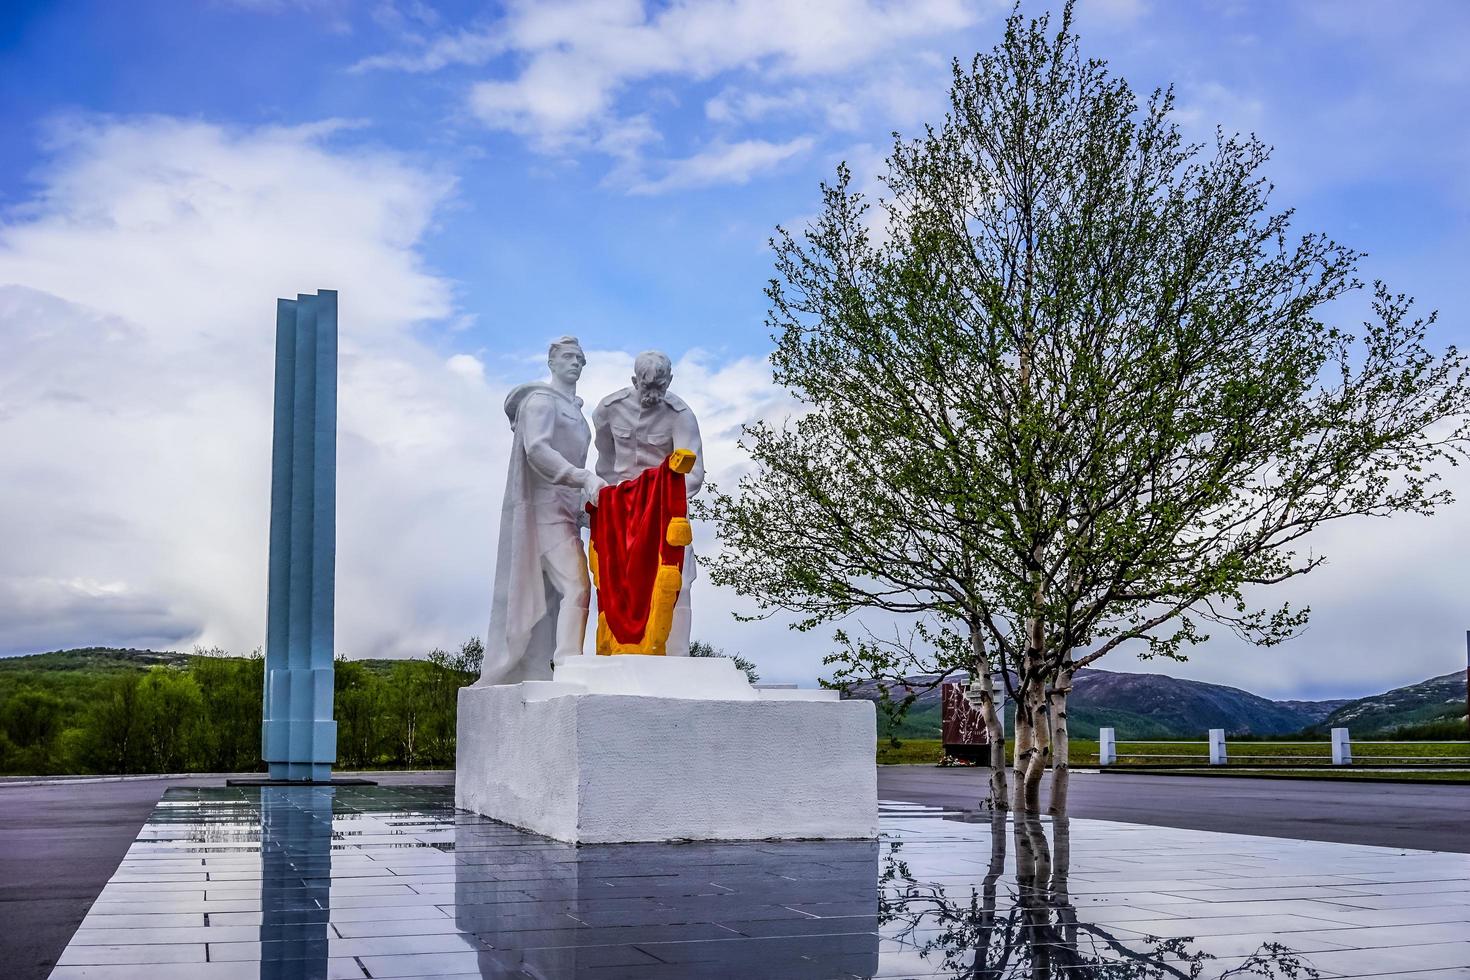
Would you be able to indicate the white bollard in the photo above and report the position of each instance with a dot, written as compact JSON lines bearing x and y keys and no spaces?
{"x":1217,"y":746}
{"x":1107,"y":747}
{"x":1342,"y":747}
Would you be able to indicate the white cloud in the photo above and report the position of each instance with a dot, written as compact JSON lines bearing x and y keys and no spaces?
{"x":458,"y":48}
{"x":404,"y":17}
{"x":722,"y":163}
{"x":553,"y":99}
{"x":467,"y":366}
{"x":1205,"y":105}
{"x":735,"y":105}
{"x":578,"y":56}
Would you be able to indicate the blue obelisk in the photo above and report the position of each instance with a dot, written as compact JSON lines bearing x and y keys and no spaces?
{"x":298,"y":736}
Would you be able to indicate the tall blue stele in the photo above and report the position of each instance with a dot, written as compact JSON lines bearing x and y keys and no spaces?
{"x":299,"y":737}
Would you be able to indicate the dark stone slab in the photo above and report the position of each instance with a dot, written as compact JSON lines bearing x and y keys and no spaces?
{"x":334,"y":781}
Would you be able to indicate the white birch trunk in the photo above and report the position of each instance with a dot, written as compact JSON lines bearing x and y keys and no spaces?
{"x":994,"y":730}
{"x":1040,"y":749}
{"x":1025,"y":747}
{"x":1061,"y":744}
{"x":1032,"y":768}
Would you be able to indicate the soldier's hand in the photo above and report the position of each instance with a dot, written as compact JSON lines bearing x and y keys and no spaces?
{"x":592,"y":484}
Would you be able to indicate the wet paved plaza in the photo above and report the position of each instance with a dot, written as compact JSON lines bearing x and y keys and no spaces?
{"x":353,"y":882}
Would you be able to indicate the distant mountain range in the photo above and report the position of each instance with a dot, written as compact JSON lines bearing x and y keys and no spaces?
{"x":1142,"y":706}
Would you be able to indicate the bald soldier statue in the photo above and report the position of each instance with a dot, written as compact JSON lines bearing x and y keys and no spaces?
{"x":637,"y":427}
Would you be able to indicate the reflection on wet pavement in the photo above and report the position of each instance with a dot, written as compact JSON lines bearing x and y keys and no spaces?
{"x":393,"y":882}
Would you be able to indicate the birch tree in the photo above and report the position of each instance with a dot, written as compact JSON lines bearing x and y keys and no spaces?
{"x":1072,"y":386}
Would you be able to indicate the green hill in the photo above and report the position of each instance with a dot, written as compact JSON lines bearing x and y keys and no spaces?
{"x":1439,"y":701}
{"x":93,"y":660}
{"x":111,"y":660}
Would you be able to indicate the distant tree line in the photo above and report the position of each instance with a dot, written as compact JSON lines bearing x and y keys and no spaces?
{"x":204,"y":716}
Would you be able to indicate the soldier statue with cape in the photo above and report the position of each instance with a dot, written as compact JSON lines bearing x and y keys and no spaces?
{"x":541,"y":594}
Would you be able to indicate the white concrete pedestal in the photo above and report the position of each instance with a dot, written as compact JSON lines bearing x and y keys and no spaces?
{"x":634,"y":748}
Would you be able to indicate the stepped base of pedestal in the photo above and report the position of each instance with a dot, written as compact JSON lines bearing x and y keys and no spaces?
{"x":330,"y":781}
{"x":705,"y":758}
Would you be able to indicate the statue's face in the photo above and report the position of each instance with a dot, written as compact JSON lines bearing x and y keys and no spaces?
{"x":566,"y":364}
{"x":651,"y":387}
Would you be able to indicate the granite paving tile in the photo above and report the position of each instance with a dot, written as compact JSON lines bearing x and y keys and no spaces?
{"x":1443,"y":915}
{"x":576,"y":935}
{"x":804,"y":926}
{"x":1326,"y":909}
{"x":1365,"y":962}
{"x":1224,"y":925}
{"x":75,"y":955}
{"x":1375,"y":937}
{"x":123,"y":918}
{"x":161,"y":971}
{"x":147,"y":936}
{"x":396,"y":927}
{"x":378,"y":913}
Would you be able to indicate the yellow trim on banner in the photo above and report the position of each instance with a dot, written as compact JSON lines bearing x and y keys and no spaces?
{"x":679,"y":533}
{"x":666,"y":586}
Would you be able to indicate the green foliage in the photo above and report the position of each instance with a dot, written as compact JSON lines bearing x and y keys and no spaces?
{"x":31,"y":727}
{"x":401,"y":713}
{"x":357,"y":706}
{"x":231,"y":690}
{"x":1453,"y":728}
{"x":910,"y":752}
{"x":699,"y":648}
{"x":116,"y":711}
{"x":111,"y":740}
{"x":928,"y":751}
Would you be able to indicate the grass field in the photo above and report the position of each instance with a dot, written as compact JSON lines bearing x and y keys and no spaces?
{"x":1174,"y":754}
{"x":1285,"y":753}
{"x":1316,"y":773}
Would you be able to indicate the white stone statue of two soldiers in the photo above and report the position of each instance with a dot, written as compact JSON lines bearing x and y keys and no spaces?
{"x":637,"y":427}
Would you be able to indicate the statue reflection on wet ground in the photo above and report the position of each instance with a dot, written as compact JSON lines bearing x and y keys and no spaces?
{"x":394,"y":882}
{"x":791,"y":909}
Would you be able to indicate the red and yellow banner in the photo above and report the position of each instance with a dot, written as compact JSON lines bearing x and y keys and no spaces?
{"x":639,"y":530}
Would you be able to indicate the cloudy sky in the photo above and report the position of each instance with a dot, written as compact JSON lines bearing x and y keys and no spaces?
{"x":475,"y":180}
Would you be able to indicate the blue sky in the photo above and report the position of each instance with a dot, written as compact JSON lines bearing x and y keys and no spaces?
{"x":477,"y":179}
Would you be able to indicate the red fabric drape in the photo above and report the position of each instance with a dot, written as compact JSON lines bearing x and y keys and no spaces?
{"x":629,"y":527}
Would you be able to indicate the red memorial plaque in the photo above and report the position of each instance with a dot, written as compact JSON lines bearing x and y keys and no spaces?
{"x":964,"y":729}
